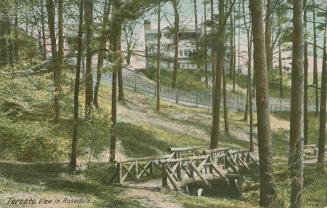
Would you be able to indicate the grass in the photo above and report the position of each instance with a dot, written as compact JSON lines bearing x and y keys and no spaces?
{"x":204,"y":202}
{"x":188,"y":80}
{"x":313,"y":121}
{"x":53,"y":181}
{"x":145,"y":140}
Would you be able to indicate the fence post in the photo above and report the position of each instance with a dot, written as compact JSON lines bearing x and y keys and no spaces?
{"x":197,"y":99}
{"x":176,"y":91}
{"x":238,"y":103}
{"x":135,"y":82}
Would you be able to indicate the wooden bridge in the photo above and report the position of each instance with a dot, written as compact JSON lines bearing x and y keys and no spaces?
{"x":183,"y":166}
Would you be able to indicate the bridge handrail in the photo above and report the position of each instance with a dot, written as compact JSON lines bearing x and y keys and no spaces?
{"x":144,"y":158}
{"x":217,"y":150}
{"x":181,"y":149}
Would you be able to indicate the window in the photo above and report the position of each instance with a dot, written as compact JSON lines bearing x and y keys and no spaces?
{"x":181,"y":53}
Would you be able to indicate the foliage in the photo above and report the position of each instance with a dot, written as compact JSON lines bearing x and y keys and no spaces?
{"x":96,"y":134}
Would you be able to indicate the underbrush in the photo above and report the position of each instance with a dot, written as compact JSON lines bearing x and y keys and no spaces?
{"x":28,"y":131}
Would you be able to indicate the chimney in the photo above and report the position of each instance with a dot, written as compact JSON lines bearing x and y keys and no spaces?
{"x":147,"y":25}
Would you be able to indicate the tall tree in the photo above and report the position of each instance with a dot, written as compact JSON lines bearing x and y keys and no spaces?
{"x":102,"y":51}
{"x":267,"y":188}
{"x":196,"y":28}
{"x":158,"y":58}
{"x":315,"y":57}
{"x":249,"y":64}
{"x":115,"y":43}
{"x":88,"y":44}
{"x":77,"y":86}
{"x":219,"y":50}
{"x":306,"y":68}
{"x":176,"y":41}
{"x":322,"y":127}
{"x":226,"y":119}
{"x":296,"y":143}
{"x":120,"y":84}
{"x":268,"y":32}
{"x":232,"y":47}
{"x":44,"y":51}
{"x":60,"y":41}
{"x":205,"y":45}
{"x":55,"y":64}
{"x":16,"y":29}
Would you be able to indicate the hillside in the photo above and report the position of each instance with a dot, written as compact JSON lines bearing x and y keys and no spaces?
{"x":141,"y":132}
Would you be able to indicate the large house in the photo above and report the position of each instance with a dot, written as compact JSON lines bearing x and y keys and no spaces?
{"x":186,"y":47}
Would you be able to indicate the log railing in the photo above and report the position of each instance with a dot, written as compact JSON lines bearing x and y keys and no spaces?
{"x":214,"y":164}
{"x":183,"y":165}
{"x":136,"y":169}
{"x":181,"y":152}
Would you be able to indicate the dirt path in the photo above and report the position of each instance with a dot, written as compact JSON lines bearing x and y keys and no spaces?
{"x":152,"y":199}
{"x":278,"y":123}
{"x":137,"y":111}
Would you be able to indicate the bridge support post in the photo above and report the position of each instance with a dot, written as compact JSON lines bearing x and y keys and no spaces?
{"x":164,"y":176}
{"x":120,"y":172}
{"x":151,"y":168}
{"x":179,"y":171}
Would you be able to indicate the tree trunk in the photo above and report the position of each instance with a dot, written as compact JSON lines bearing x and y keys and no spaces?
{"x":2,"y":43}
{"x":102,"y":51}
{"x":60,"y":41}
{"x":248,"y":88}
{"x":120,"y":85}
{"x":322,"y":127}
{"x":115,"y":42}
{"x":205,"y":45}
{"x":239,"y":48}
{"x":280,"y":67}
{"x":88,"y":72}
{"x":296,"y":143}
{"x":232,"y":48}
{"x":315,"y":57}
{"x":220,"y":51}
{"x":158,"y":58}
{"x":214,"y":56}
{"x":226,"y":120}
{"x":55,"y":66}
{"x":305,"y":97}
{"x":176,"y":30}
{"x":44,"y":51}
{"x":267,"y":189}
{"x":77,"y":86}
{"x":268,"y":32}
{"x":16,"y":30}
{"x":11,"y":47}
{"x":196,"y":29}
